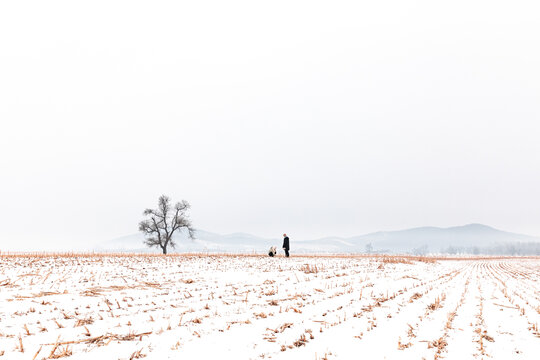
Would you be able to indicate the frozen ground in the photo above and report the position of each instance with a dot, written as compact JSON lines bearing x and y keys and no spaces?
{"x":242,"y":307}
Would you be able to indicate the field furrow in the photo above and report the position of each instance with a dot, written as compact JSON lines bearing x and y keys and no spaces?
{"x":252,"y":307}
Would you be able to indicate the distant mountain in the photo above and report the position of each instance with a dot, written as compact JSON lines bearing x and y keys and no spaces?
{"x":204,"y":241}
{"x":437,"y":239}
{"x":472,"y":238}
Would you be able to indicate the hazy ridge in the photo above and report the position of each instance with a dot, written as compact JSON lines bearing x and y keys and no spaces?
{"x":471,"y":238}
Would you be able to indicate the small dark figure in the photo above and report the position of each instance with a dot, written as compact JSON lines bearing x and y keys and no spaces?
{"x":272,"y":252}
{"x":286,"y":244}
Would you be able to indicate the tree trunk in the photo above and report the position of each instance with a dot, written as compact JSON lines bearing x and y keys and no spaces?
{"x":164,"y":250}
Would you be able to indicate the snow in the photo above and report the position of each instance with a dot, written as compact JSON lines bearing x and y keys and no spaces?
{"x":256,"y":307}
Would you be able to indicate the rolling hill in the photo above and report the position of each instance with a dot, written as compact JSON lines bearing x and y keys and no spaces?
{"x":472,"y":238}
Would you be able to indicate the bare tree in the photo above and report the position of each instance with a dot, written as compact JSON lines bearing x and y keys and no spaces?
{"x":163,"y":222}
{"x":369,"y":248}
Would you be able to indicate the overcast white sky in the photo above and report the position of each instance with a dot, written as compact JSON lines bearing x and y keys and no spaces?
{"x":313,"y":118}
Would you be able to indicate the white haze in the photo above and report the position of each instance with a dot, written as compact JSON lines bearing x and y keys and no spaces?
{"x":313,"y":118}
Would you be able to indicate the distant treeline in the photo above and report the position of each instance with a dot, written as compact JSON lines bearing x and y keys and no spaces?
{"x":528,"y":248}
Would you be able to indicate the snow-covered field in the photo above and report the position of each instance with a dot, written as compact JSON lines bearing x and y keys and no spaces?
{"x":249,"y":307}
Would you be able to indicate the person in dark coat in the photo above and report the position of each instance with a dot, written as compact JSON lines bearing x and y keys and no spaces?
{"x":286,"y":244}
